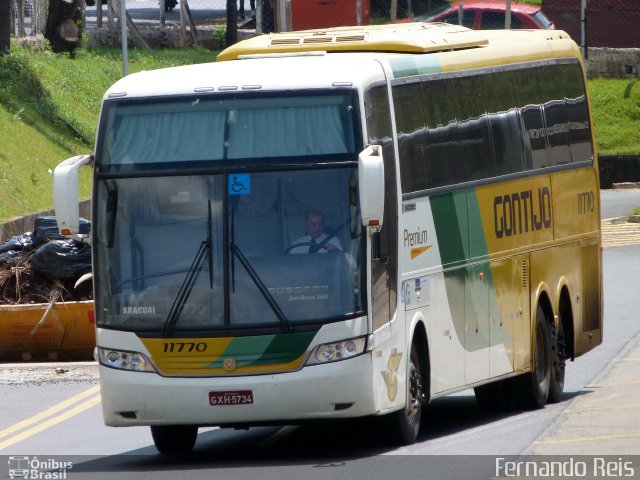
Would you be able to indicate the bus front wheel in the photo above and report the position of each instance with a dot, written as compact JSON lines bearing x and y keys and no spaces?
{"x":536,"y":384}
{"x":404,"y":424}
{"x":174,"y":439}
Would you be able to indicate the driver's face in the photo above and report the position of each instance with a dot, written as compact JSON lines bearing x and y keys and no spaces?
{"x":315,"y":226}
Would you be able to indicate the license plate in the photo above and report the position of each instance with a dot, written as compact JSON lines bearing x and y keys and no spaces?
{"x":235,"y":397}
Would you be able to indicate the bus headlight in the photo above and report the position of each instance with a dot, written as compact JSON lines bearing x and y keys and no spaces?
{"x":336,"y":351}
{"x":135,"y":361}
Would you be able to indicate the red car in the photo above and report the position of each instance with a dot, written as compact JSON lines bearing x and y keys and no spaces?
{"x":487,"y":15}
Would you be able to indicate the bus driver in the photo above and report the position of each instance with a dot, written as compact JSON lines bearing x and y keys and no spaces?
{"x":315,"y":241}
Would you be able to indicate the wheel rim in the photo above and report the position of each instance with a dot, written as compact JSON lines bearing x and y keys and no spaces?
{"x":559,"y":355}
{"x":541,"y":355}
{"x":415,"y":393}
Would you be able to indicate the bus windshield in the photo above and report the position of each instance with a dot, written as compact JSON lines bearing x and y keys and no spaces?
{"x":228,"y":251}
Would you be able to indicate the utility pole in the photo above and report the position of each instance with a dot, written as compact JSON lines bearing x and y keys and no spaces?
{"x":583,"y":32}
{"x":231,"y":36}
{"x":123,"y":36}
{"x":5,"y":26}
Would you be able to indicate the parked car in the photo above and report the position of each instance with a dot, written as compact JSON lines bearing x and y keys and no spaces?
{"x":488,"y":15}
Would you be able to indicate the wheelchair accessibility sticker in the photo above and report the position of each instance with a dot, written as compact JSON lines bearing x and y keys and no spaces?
{"x":239,"y":184}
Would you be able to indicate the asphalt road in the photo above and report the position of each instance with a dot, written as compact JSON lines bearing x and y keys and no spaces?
{"x":457,"y":441}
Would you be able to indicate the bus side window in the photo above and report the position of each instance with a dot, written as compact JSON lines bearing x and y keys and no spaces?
{"x":384,"y":262}
{"x":557,"y":121}
{"x":507,"y":142}
{"x":410,"y":124}
{"x":579,"y":131}
{"x":442,"y":148}
{"x":536,"y":133}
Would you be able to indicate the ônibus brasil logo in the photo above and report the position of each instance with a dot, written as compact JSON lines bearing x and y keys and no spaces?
{"x":38,"y":469}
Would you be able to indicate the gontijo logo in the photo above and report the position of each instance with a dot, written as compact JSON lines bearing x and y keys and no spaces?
{"x":522,"y":212}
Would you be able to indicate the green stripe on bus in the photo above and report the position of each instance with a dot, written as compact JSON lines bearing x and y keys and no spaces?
{"x":245,"y":350}
{"x":265,"y":349}
{"x":287,"y":347}
{"x":452,"y":229}
{"x":414,"y":65}
{"x":477,"y":239}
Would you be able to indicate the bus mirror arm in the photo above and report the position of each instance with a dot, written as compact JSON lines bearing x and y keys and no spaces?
{"x":371,"y":177}
{"x":65,"y":194}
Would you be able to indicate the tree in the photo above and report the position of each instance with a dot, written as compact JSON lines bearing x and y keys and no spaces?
{"x":5,"y":26}
{"x":231,"y":37}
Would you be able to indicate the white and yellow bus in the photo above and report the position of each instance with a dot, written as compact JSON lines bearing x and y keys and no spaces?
{"x":447,"y":176}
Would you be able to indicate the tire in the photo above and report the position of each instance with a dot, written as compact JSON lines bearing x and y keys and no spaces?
{"x":558,"y":363}
{"x":404,"y":424}
{"x":535,"y":385}
{"x":174,"y":439}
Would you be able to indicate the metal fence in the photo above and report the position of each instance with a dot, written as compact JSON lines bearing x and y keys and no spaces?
{"x":261,"y":16}
{"x":609,"y":23}
{"x":28,"y":17}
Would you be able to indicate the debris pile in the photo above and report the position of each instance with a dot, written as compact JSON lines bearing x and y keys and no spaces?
{"x":43,"y":266}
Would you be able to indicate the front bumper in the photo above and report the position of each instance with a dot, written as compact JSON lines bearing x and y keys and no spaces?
{"x":335,"y":390}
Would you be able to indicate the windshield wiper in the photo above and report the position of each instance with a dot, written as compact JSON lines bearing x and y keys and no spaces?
{"x":192,"y":275}
{"x":261,"y":286}
{"x":112,"y":210}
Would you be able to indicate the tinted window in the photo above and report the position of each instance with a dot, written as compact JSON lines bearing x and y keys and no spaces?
{"x":439,"y":143}
{"x":557,"y":126}
{"x":381,"y":133}
{"x":412,"y":134}
{"x":475,"y":160}
{"x":495,"y":20}
{"x":467,"y":18}
{"x":507,"y":142}
{"x":535,"y":135}
{"x":579,"y":132}
{"x":474,"y":126}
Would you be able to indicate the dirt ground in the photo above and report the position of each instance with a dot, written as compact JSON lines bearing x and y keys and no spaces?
{"x":46,"y":373}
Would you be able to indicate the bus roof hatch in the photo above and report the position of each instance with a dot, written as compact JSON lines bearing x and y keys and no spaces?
{"x":401,"y":38}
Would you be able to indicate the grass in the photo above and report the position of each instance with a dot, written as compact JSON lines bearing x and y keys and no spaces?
{"x":75,"y":86}
{"x":615,"y":105}
{"x":49,"y":106}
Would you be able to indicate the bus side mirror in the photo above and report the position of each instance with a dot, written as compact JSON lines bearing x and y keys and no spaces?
{"x":65,"y":194}
{"x":371,"y":176}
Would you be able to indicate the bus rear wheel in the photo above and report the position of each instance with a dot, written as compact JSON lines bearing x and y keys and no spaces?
{"x":558,"y":363}
{"x":404,"y":424}
{"x":536,"y":384}
{"x":174,"y":439}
